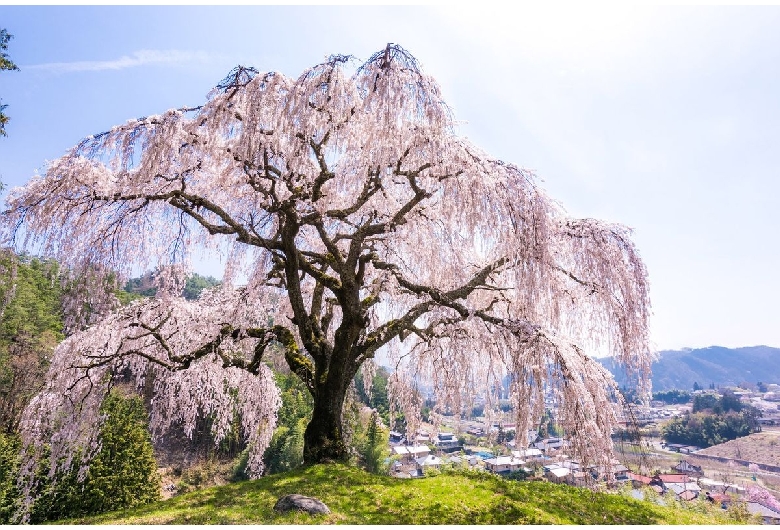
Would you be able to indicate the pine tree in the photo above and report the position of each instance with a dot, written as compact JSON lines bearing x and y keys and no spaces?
{"x":375,"y":449}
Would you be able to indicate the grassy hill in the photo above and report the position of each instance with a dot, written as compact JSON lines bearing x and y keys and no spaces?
{"x":722,"y":366}
{"x":356,"y":497}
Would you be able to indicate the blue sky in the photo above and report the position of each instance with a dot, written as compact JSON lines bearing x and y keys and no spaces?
{"x":664,"y":119}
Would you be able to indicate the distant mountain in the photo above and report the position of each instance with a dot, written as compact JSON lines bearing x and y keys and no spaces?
{"x":718,"y":365}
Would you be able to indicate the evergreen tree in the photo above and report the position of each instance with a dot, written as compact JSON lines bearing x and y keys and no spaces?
{"x":196,"y":283}
{"x":285,"y":451}
{"x":122,"y":474}
{"x":713,"y":420}
{"x":375,"y":448}
{"x":672,"y":397}
{"x":376,"y":398}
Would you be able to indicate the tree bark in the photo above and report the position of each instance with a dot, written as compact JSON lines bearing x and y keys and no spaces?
{"x":323,"y":440}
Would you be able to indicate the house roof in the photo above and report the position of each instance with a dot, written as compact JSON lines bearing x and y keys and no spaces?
{"x":720,"y":497}
{"x":685,"y":465}
{"x":727,"y":488}
{"x":504,"y":461}
{"x":559,"y":472}
{"x":758,"y":508}
{"x":679,"y":487}
{"x":429,"y":460}
{"x":411,"y":449}
{"x":640,"y":478}
{"x":688,"y":495}
{"x":527,"y":453}
{"x":673,"y":477}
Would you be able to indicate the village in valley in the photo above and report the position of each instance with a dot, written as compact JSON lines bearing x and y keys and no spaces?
{"x":647,"y":468}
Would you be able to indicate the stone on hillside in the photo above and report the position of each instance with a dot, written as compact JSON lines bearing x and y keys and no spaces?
{"x":301,"y":503}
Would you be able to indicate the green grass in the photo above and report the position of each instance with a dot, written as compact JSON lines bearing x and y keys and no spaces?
{"x":356,"y":497}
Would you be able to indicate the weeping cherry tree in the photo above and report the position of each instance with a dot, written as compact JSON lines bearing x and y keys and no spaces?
{"x":353,"y":222}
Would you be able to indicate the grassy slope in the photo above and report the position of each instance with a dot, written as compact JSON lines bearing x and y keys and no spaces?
{"x":356,"y":497}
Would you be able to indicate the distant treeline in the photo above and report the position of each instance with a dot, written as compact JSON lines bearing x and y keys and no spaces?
{"x":673,"y":397}
{"x":713,"y":420}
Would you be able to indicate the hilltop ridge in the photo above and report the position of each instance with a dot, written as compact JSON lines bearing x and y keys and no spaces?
{"x":712,"y":365}
{"x":357,"y":497}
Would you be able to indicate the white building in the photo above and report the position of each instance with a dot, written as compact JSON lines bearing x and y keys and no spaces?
{"x":503,"y":464}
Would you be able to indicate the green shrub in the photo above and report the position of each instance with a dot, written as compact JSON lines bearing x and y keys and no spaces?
{"x":285,"y":452}
{"x":9,"y":469}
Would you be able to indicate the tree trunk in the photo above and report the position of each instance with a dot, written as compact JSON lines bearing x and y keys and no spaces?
{"x":323,"y":440}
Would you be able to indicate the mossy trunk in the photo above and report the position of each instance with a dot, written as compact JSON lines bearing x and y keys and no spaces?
{"x":323,"y":440}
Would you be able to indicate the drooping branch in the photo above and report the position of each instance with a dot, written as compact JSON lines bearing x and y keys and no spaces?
{"x":360,"y":219}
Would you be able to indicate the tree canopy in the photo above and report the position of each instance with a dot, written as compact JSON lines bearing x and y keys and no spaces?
{"x":354,"y":222}
{"x":5,"y":64}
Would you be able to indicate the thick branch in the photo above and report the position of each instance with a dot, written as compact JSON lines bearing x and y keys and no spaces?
{"x":383,"y":334}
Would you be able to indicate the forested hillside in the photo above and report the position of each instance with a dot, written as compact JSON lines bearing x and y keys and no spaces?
{"x":713,"y":420}
{"x":714,"y":365}
{"x":30,"y":327}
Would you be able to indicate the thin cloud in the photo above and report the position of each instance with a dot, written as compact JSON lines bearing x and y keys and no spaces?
{"x":135,"y":59}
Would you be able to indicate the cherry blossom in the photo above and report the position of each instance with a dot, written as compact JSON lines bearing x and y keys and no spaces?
{"x":355,"y":224}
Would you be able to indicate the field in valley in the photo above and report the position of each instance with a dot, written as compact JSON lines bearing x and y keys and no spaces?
{"x":761,"y":448}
